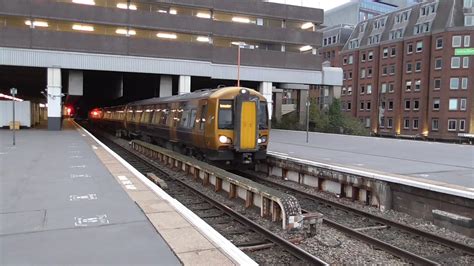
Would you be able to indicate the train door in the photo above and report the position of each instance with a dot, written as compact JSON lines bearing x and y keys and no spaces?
{"x":202,"y":124}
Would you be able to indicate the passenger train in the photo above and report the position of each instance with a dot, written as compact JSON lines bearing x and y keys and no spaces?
{"x":226,"y":125}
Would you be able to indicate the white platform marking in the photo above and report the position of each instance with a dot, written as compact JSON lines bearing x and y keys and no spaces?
{"x":80,"y":176}
{"x":78,"y":166}
{"x":75,"y":157}
{"x":94,"y":147}
{"x":131,"y":187}
{"x":83,"y":135}
{"x":359,"y":164}
{"x":83,"y":197}
{"x":96,"y":220}
{"x":126,"y":182}
{"x":122,"y":177}
{"x":74,"y":151}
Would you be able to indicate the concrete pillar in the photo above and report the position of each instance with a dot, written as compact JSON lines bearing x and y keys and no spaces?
{"x":118,"y":88}
{"x":184,"y":85}
{"x":266,"y":89}
{"x":166,"y":86}
{"x":54,"y":99}
{"x":302,"y":98}
{"x":278,"y":104}
{"x":76,"y":83}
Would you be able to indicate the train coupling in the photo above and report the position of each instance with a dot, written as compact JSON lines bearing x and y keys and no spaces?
{"x":247,"y":157}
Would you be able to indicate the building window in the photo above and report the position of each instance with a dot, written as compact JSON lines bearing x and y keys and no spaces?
{"x":469,"y":20}
{"x":392,"y":69}
{"x":362,"y":89}
{"x":468,"y":3}
{"x":434,"y":124}
{"x":462,"y":125}
{"x":455,"y":62}
{"x":439,"y":43}
{"x":369,"y":89}
{"x":467,"y":41}
{"x":367,"y":122}
{"x":453,"y":104}
{"x":465,"y":62}
{"x":344,"y":90}
{"x":349,"y":106}
{"x":384,"y":71}
{"x":407,"y":104}
{"x":464,"y":84}
{"x":437,"y":84}
{"x":391,"y":87}
{"x":363,"y":57}
{"x":438,"y":63}
{"x":408,"y":86}
{"x":456,"y":41}
{"x":416,"y":105}
{"x":436,"y":104}
{"x":406,"y":124}
{"x":350,"y":75}
{"x":463,"y":104}
{"x":362,"y":73}
{"x":410,"y":48}
{"x":361,"y":105}
{"x":417,"y":85}
{"x":454,"y":83}
{"x":351,"y":59}
{"x":409,"y":67}
{"x":385,"y":52}
{"x":382,"y":122}
{"x":383,"y":105}
{"x":368,"y":106}
{"x":419,"y":47}
{"x":390,"y":105}
{"x":369,"y":72}
{"x":393,"y":52}
{"x":371,"y":56}
{"x":415,"y":123}
{"x":384,"y":87}
{"x":452,"y":124}
{"x":390,"y":123}
{"x":349,"y":91}
{"x":418,"y":66}
{"x":344,"y":61}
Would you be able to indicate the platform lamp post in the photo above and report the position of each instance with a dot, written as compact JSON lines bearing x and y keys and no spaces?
{"x":13,"y":92}
{"x":307,"y":119}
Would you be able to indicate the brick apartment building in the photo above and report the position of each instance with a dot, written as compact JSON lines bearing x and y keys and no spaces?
{"x":410,"y":72}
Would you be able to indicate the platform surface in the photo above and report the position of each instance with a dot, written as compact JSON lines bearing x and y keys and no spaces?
{"x":60,"y":205}
{"x":443,"y":162}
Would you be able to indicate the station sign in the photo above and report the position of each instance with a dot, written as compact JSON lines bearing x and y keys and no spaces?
{"x":464,"y":51}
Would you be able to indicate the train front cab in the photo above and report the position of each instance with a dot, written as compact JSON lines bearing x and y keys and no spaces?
{"x":242,"y":128}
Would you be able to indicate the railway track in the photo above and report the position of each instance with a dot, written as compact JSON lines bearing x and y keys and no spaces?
{"x":407,"y":242}
{"x":256,"y":241}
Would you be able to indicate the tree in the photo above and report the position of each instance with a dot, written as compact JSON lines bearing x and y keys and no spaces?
{"x":336,"y":118}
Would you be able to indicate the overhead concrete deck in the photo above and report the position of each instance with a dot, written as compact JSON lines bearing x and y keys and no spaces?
{"x":441,"y":162}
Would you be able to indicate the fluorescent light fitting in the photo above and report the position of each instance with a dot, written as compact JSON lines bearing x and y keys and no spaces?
{"x":241,"y":19}
{"x":84,"y":2}
{"x":238,"y":43}
{"x":203,"y":15}
{"x":305,"y":48}
{"x":82,"y":27}
{"x":173,"y":11}
{"x":162,"y":11}
{"x":307,"y":25}
{"x":125,"y":6}
{"x":166,"y":35}
{"x":43,"y":24}
{"x":202,"y":39}
{"x":125,"y":32}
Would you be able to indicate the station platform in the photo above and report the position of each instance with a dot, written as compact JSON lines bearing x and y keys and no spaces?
{"x":66,"y":199}
{"x":440,"y":163}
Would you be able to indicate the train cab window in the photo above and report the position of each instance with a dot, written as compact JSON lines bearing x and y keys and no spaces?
{"x":263,"y":116}
{"x":226,"y":114}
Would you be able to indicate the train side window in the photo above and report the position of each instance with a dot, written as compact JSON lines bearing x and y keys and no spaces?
{"x":203,"y":116}
{"x":129,"y":114}
{"x":164,"y":116}
{"x":192,"y":120}
{"x":184,"y":119}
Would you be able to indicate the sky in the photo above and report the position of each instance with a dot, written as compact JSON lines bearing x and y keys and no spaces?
{"x":324,"y":4}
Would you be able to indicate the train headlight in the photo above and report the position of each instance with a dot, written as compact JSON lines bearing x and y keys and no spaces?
{"x":262,"y":139}
{"x":259,"y":140}
{"x":243,"y":91}
{"x":224,"y":139}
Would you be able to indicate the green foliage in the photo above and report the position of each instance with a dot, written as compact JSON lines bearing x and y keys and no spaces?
{"x":332,"y":120}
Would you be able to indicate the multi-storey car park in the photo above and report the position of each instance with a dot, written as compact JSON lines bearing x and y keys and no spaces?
{"x":408,"y":72}
{"x":182,"y":41}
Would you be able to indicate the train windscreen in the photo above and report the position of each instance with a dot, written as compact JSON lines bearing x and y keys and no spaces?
{"x":225,"y":116}
{"x":262,"y":116}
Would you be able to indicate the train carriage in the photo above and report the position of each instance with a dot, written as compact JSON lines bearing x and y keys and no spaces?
{"x":227,"y":124}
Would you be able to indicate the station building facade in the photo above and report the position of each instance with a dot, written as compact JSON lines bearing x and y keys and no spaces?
{"x":186,"y":38}
{"x":410,"y":73}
